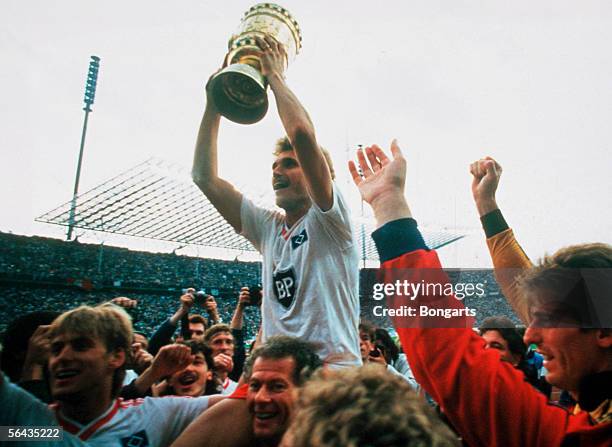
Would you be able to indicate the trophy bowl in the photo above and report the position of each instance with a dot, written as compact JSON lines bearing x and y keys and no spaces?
{"x":239,"y":90}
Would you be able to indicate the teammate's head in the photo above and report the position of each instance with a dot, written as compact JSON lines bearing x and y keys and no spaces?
{"x":273,"y":372}
{"x":363,"y":406}
{"x":569,"y":296}
{"x":500,"y":333}
{"x":89,"y":348}
{"x":197,"y":378}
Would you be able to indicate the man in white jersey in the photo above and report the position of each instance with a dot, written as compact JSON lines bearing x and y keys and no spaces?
{"x":310,"y":261}
{"x":89,"y":346}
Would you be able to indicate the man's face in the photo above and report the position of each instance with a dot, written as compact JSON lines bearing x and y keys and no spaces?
{"x":191,"y":381}
{"x":365,"y":345}
{"x":288,"y":181}
{"x":494,"y":340}
{"x":270,"y":397}
{"x":197,"y":331}
{"x":222,"y":343}
{"x":79,"y":363}
{"x":144,"y":343}
{"x":569,"y":353}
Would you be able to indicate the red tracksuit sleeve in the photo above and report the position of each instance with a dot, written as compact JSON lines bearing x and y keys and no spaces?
{"x":486,"y":400}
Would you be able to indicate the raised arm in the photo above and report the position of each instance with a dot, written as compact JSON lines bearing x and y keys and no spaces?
{"x":222,"y":194}
{"x":508,"y":257}
{"x":298,"y":126}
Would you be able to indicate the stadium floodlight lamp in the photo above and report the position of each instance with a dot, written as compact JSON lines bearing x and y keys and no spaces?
{"x":92,"y":81}
{"x":90,"y":94}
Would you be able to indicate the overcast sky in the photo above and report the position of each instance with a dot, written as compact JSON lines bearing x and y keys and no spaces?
{"x":526,"y":82}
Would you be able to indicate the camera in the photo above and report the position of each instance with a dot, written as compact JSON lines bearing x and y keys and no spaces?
{"x":199,"y":297}
{"x":255,"y":294}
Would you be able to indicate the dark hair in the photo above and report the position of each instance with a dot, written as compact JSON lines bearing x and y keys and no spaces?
{"x":279,"y":347}
{"x":368,"y":328}
{"x":391,"y":349}
{"x":16,"y":338}
{"x":197,"y":319}
{"x":197,"y":347}
{"x":506,"y":328}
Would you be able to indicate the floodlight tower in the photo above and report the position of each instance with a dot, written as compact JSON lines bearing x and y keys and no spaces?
{"x":90,"y":94}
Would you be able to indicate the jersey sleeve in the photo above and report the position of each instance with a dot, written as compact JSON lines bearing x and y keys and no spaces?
{"x":174,"y":413}
{"x":18,"y":407}
{"x":336,"y":221}
{"x":510,"y":260}
{"x":255,"y":221}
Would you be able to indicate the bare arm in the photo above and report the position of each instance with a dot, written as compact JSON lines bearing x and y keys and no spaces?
{"x":298,"y":126}
{"x":222,"y":194}
{"x":227,"y":424}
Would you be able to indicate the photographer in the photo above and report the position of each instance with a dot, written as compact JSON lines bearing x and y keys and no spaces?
{"x":192,"y":327}
{"x":249,"y":296}
{"x":372,"y":352}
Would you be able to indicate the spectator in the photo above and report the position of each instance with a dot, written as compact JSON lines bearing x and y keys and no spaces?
{"x":499,"y":333}
{"x":375,"y":353}
{"x":393,"y":356}
{"x":365,"y":406}
{"x":219,"y":337}
{"x":197,"y":378}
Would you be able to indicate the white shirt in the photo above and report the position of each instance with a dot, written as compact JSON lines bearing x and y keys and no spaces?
{"x":229,"y":386}
{"x":156,"y":420}
{"x":310,"y":277}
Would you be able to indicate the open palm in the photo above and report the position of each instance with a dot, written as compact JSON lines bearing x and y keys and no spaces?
{"x":378,"y":176}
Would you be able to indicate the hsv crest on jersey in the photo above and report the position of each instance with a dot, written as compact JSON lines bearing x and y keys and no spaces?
{"x":284,"y":286}
{"x":136,"y":440}
{"x":299,"y":239}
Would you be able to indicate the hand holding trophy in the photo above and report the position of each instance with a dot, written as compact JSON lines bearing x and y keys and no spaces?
{"x":267,"y":40}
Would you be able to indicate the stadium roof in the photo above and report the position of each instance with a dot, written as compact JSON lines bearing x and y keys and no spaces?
{"x":157,"y":200}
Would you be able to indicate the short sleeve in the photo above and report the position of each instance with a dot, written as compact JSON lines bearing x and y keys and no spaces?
{"x":336,"y":221}
{"x":255,"y":220}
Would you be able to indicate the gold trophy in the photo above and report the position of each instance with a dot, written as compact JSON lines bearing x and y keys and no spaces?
{"x":239,"y":90}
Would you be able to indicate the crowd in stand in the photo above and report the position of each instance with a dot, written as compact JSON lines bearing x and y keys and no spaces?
{"x":53,"y":260}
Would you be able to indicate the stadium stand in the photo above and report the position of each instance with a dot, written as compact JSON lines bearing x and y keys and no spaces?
{"x":38,"y":273}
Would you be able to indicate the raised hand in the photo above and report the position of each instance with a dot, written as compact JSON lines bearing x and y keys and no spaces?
{"x":273,"y":56}
{"x":224,"y":362}
{"x":126,"y":303}
{"x":170,"y":359}
{"x":187,"y":299}
{"x":486,"y":173}
{"x":142,"y":358}
{"x":381,"y":181}
{"x":39,"y":347}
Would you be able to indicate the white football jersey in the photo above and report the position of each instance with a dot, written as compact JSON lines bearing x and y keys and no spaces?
{"x":152,"y":421}
{"x":310,"y":277}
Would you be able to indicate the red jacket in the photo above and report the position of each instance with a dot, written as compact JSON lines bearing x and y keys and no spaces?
{"x":486,"y":400}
